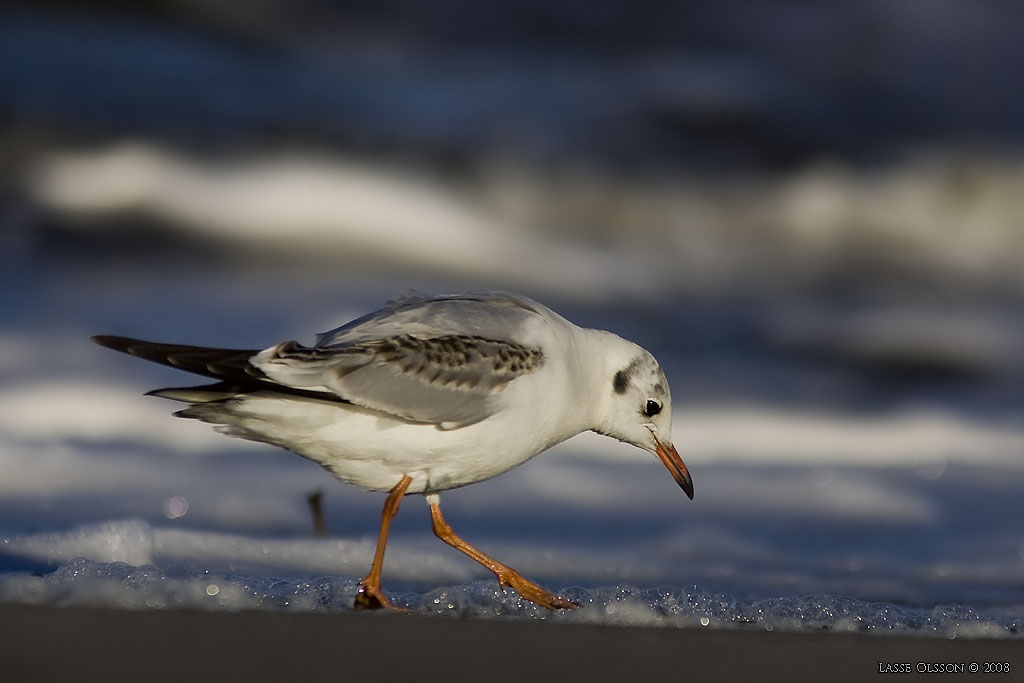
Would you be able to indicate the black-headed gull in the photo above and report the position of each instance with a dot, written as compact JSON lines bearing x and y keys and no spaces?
{"x":430,"y":394}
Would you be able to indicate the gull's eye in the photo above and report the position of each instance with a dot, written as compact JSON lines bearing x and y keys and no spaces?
{"x":652,"y":407}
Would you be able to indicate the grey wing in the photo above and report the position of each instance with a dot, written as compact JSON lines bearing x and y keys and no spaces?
{"x":491,"y":315}
{"x":449,"y":380}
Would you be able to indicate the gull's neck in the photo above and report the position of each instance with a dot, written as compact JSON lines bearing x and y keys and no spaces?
{"x":600,"y":354}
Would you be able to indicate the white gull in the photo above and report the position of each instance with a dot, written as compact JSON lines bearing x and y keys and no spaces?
{"x":430,"y":394}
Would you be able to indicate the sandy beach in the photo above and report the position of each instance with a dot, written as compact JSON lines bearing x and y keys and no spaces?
{"x":84,"y":644}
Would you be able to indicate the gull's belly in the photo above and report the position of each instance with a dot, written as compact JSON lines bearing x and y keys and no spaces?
{"x":374,"y":451}
{"x":362,"y":451}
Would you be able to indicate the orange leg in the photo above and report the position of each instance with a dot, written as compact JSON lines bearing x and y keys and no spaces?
{"x":370,"y":595}
{"x":506,"y":575}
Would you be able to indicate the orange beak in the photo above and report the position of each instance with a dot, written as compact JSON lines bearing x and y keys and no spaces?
{"x":675,"y":465}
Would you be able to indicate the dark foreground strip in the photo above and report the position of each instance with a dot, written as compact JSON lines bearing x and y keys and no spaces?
{"x":85,"y":644}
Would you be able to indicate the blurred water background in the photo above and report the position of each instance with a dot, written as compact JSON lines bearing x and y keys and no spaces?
{"x":811,"y":212}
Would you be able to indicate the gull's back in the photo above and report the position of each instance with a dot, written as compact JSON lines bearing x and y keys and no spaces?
{"x":498,"y":316}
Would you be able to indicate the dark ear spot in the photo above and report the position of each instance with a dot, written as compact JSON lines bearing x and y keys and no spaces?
{"x":621,"y":382}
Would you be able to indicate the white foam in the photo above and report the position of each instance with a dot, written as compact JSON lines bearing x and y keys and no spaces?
{"x":83,"y":582}
{"x":136,"y":543}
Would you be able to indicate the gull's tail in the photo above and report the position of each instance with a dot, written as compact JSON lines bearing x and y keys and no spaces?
{"x":223,"y":364}
{"x":231,"y":367}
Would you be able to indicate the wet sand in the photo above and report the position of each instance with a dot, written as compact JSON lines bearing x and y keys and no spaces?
{"x":86,"y":644}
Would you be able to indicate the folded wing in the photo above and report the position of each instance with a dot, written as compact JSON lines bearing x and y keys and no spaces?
{"x":449,"y":380}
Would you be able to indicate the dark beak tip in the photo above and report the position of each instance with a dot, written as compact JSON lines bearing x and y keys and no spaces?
{"x":675,"y":465}
{"x":686,"y":484}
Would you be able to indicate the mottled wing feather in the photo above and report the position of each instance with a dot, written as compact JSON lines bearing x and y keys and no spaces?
{"x":449,"y":380}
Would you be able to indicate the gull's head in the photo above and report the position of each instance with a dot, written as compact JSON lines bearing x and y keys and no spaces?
{"x":637,"y":406}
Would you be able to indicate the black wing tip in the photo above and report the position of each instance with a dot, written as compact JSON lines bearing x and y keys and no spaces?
{"x":116,"y":343}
